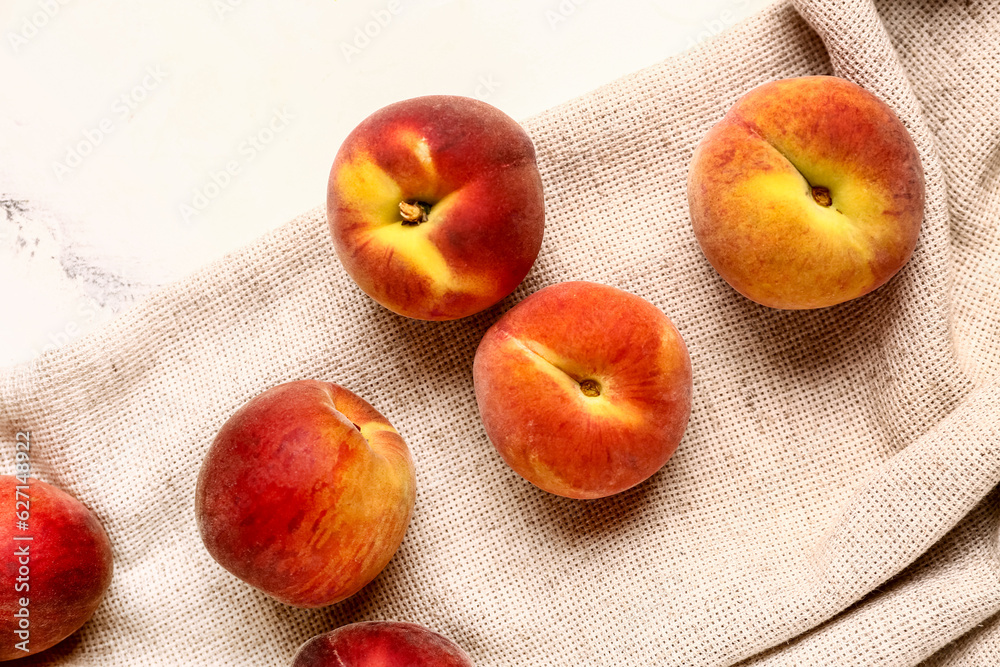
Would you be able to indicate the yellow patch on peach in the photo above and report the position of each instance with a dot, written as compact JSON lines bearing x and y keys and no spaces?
{"x":369,"y":190}
{"x":358,"y":180}
{"x":770,"y":192}
{"x":415,"y":246}
{"x":856,"y":199}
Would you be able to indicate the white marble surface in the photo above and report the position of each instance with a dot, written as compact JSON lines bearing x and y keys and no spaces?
{"x":119,"y":119}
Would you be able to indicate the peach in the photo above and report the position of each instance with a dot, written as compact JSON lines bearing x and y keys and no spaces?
{"x":435,"y":206}
{"x":808,"y":193}
{"x":305,"y":493}
{"x":56,"y":568}
{"x":381,"y":644}
{"x":584,"y":389}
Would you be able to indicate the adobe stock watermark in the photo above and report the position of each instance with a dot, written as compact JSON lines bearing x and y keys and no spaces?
{"x":123,"y":106}
{"x":562,"y":12}
{"x":220,"y":179}
{"x":84,"y":316}
{"x":22,"y":540}
{"x":727,"y":18}
{"x":363,"y":35}
{"x":32,"y":25}
{"x":223,"y":7}
{"x":485,"y":87}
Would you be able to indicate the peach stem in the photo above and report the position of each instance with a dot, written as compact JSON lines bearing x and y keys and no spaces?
{"x":413,"y":212}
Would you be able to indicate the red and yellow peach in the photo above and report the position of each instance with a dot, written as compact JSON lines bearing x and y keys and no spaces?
{"x":305,"y":493}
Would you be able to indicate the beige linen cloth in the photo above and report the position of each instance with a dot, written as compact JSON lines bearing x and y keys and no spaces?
{"x":832,"y":502}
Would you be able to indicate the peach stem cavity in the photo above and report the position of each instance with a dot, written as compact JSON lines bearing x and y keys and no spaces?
{"x":822,"y":196}
{"x":414,"y":212}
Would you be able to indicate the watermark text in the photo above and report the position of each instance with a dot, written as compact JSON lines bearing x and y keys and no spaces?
{"x":121,"y":109}
{"x":22,"y":540}
{"x":220,"y":179}
{"x":32,"y":25}
{"x":363,"y":35}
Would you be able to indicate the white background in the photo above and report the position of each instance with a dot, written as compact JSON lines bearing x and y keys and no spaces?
{"x":119,"y":118}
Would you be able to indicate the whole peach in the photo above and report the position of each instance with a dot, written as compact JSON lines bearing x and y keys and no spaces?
{"x":305,"y":493}
{"x":584,"y":389}
{"x":808,"y":193}
{"x":435,"y":206}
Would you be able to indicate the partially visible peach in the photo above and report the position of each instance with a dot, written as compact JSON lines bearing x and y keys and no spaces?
{"x":381,"y":644}
{"x":56,"y":568}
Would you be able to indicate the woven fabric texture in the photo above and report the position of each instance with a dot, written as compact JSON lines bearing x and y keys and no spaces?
{"x":832,"y":500}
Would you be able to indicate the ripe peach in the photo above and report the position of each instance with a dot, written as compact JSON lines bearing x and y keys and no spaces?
{"x":305,"y":493}
{"x":808,"y":193}
{"x":56,"y":568}
{"x":584,"y":389}
{"x":381,"y":644}
{"x":435,"y":206}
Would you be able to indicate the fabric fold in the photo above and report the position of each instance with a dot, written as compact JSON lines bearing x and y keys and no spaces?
{"x":946,"y":593}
